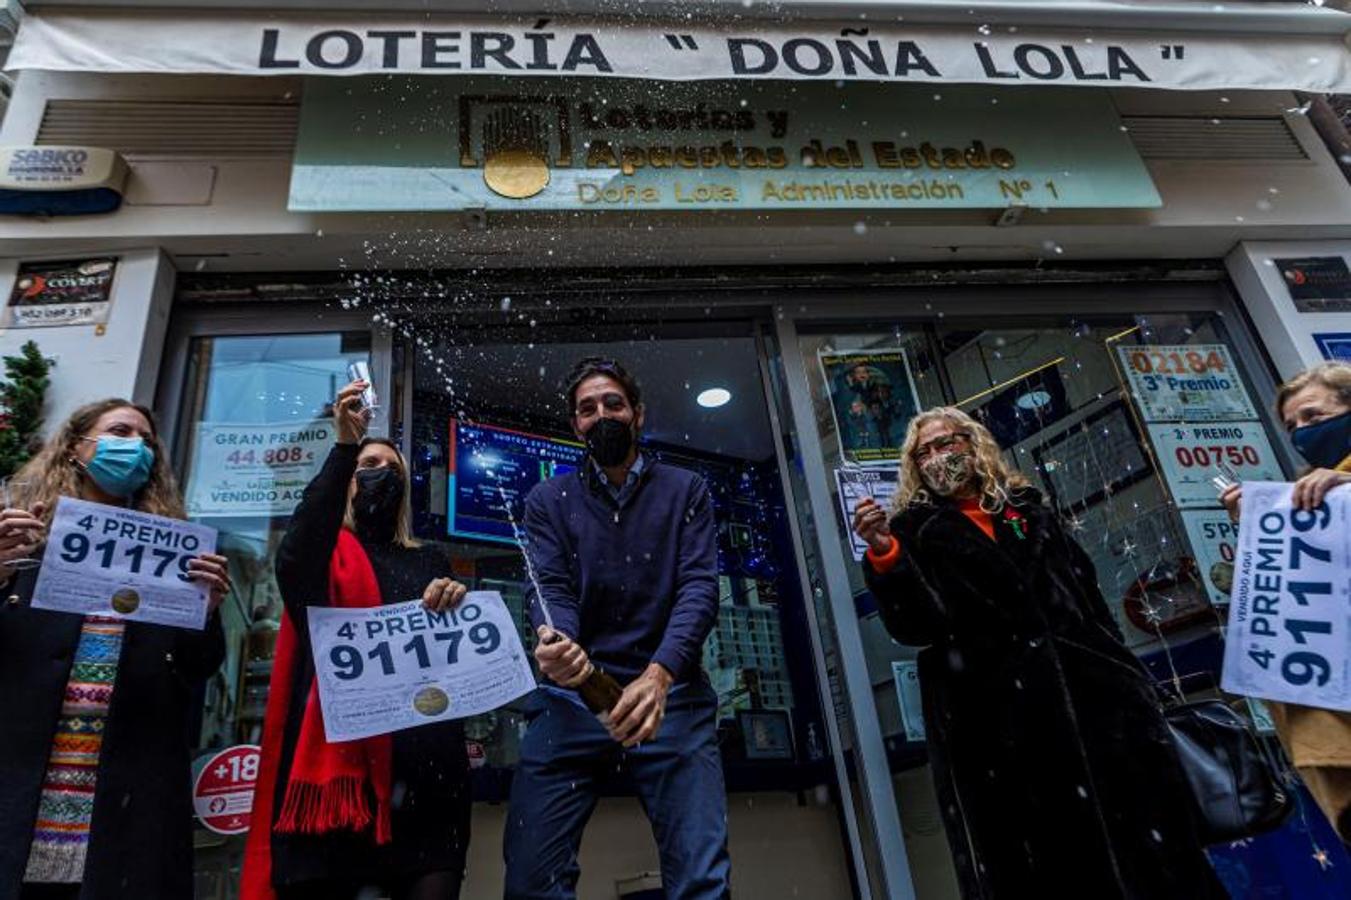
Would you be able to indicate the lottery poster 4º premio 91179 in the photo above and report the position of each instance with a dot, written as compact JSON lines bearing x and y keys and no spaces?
{"x":121,"y":563}
{"x":387,"y":668}
{"x":1289,"y":636}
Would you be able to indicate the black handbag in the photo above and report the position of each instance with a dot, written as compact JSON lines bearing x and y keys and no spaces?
{"x":1236,"y":785}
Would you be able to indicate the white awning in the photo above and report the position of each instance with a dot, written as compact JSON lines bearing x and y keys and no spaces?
{"x":242,"y":43}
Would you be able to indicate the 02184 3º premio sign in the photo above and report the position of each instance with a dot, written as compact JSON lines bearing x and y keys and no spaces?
{"x":1185,"y":382}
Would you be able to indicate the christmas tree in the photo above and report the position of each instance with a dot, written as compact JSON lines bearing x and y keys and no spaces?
{"x":21,"y":396}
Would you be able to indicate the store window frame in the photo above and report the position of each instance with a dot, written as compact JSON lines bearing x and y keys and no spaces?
{"x":926,"y":308}
{"x":756,"y":316}
{"x":781,"y":316}
{"x":189,"y":323}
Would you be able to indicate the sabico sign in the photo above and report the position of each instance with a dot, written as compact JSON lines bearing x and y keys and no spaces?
{"x":592,"y":144}
{"x":57,"y":181}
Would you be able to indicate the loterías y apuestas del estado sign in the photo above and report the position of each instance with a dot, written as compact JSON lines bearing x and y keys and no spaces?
{"x":597,"y":144}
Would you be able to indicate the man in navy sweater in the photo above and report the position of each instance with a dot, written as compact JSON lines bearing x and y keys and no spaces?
{"x":625,"y":552}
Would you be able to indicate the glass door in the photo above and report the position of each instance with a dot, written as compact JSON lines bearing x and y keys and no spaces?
{"x":1092,"y":411}
{"x":494,"y":389}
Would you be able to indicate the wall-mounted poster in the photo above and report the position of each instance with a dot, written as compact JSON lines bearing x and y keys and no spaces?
{"x":254,"y":470}
{"x":69,"y":292}
{"x":872,"y":397}
{"x":905,"y":672}
{"x":1190,"y":456}
{"x":1317,"y":283}
{"x":1185,"y":382}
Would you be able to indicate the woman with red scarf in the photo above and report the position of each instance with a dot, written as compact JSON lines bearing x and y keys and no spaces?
{"x":389,"y":812}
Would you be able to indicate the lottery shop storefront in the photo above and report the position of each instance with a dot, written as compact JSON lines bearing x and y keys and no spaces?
{"x":1123,"y":419}
{"x":791,"y":270}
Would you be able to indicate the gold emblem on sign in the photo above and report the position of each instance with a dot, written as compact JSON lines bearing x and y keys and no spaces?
{"x":1222,"y":576}
{"x":126,"y":601}
{"x":431,"y":701}
{"x":516,"y":153}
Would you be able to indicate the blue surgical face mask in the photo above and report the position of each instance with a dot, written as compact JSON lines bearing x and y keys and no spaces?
{"x":1324,"y":444}
{"x":121,"y":465}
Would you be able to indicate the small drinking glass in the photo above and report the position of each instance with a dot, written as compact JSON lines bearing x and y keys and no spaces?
{"x":14,"y":492}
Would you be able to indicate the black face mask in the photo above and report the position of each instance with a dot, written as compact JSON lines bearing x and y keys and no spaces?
{"x":609,"y":441}
{"x":377,"y":501}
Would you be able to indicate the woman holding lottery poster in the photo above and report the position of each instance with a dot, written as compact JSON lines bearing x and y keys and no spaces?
{"x":388,"y":813}
{"x":95,"y":712}
{"x":1315,"y":408}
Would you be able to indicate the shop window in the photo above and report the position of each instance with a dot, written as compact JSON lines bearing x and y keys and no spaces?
{"x":257,"y":425}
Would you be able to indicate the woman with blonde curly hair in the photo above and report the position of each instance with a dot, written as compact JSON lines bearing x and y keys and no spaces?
{"x":1053,"y":763}
{"x":95,"y":712}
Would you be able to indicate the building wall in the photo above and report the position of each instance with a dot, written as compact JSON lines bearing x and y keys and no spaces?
{"x":203,"y":207}
{"x":218,"y":213}
{"x":1286,"y":332}
{"x":121,"y":359}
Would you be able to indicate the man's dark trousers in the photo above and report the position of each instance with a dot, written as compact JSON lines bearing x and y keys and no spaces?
{"x":566,"y":753}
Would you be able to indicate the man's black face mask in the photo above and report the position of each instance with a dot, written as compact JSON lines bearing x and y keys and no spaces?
{"x":609,"y":441}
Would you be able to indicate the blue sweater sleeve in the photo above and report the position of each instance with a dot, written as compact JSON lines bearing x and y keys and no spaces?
{"x":548,"y":557}
{"x":696,"y":587}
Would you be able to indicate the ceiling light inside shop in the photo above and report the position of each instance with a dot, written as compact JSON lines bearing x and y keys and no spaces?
{"x":1033,"y":399}
{"x":713,"y":398}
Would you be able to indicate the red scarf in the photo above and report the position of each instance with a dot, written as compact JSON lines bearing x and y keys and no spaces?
{"x":329,"y":784}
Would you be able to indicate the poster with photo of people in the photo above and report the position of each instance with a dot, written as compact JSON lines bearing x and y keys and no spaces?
{"x":872,"y":397}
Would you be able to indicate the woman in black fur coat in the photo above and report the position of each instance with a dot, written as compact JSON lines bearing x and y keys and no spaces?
{"x":1053,"y":764}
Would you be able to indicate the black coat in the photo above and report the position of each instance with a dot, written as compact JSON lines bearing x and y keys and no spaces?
{"x":1052,"y":761}
{"x":140,"y":844}
{"x":432,"y":796}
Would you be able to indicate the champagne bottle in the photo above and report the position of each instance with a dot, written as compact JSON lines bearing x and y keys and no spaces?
{"x":600,"y":692}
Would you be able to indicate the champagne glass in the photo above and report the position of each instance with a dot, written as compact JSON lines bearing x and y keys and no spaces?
{"x":14,"y":492}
